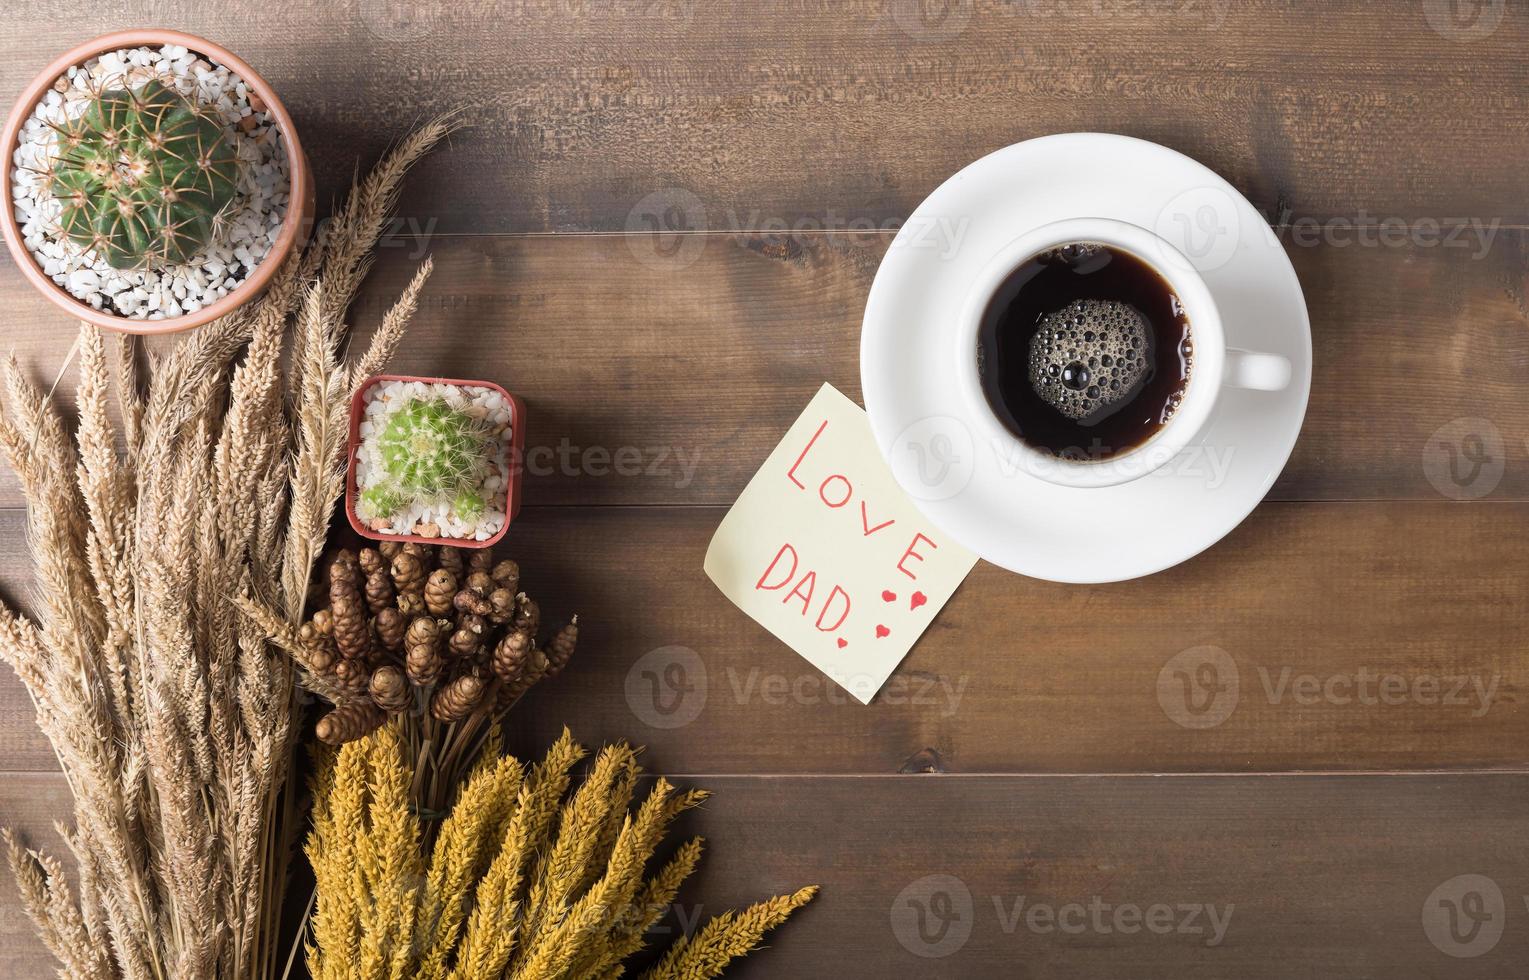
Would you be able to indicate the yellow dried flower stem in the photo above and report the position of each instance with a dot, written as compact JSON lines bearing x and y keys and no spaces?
{"x":459,"y":859}
{"x":595,"y":912}
{"x":621,"y":800}
{"x":657,"y":895}
{"x":492,"y":929}
{"x":561,"y":869}
{"x":489,"y":751}
{"x":388,"y":858}
{"x":498,"y":869}
{"x":726,"y":938}
{"x":332,"y":851}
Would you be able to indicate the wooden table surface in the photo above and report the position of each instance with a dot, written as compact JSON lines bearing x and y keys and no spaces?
{"x":1032,"y":795}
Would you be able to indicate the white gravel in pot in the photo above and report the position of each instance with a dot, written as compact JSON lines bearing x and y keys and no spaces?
{"x":255,"y":220}
{"x":437,"y":520}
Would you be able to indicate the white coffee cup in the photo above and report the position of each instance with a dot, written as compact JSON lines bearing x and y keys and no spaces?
{"x":1215,"y":365}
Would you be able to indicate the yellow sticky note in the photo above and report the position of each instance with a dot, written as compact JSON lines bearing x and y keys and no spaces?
{"x":825,"y":551}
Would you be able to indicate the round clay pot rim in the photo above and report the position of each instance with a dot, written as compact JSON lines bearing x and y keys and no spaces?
{"x":299,"y":195}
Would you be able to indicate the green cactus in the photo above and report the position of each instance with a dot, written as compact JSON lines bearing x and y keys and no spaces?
{"x":469,"y":504}
{"x":381,"y":500}
{"x":430,"y":452}
{"x":144,"y":176}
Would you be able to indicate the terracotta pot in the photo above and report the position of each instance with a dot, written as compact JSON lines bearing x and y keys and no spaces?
{"x":517,"y":456}
{"x":294,"y":230}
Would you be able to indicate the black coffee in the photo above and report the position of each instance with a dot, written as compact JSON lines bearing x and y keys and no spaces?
{"x":1084,"y":351}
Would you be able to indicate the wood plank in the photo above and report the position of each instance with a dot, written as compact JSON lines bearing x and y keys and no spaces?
{"x":832,"y":113}
{"x":1307,"y":875}
{"x":1361,"y":636}
{"x":1415,"y":347}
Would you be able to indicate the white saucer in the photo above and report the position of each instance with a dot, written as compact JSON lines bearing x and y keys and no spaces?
{"x":981,"y":499}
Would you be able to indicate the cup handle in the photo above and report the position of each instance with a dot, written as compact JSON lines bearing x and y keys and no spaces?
{"x":1259,"y":372}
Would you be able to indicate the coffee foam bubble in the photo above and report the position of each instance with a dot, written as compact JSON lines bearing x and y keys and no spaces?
{"x":1088,"y":356}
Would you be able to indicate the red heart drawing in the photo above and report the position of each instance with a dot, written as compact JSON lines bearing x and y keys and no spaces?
{"x":843,"y":643}
{"x":889,"y":596}
{"x":882,"y":631}
{"x":918,"y":600}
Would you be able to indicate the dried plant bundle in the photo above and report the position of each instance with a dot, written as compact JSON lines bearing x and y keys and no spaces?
{"x":173,"y":719}
{"x":524,"y":880}
{"x":442,"y":637}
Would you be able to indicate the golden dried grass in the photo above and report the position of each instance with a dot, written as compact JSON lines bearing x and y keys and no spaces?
{"x":172,"y":716}
{"x":521,"y":883}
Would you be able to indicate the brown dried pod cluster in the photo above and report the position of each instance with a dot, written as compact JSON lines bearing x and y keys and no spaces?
{"x":417,"y":628}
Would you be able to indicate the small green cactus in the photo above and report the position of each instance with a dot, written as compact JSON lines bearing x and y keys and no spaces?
{"x":469,"y":504}
{"x":430,"y":452}
{"x":380,"y":501}
{"x":143,"y":176}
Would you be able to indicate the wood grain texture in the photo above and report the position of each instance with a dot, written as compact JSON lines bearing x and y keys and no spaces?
{"x":1359,"y":636}
{"x":1371,"y":622}
{"x":810,"y":113}
{"x":659,"y":379}
{"x":1309,"y":876}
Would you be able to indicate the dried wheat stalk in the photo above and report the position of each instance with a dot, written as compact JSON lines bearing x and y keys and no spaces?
{"x":172,"y":716}
{"x":520,"y":883}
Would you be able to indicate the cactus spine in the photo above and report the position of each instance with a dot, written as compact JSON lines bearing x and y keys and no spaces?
{"x":143,"y":176}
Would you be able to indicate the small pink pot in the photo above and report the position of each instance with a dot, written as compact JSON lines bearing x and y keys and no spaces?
{"x":517,"y":457}
{"x":294,"y":230}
